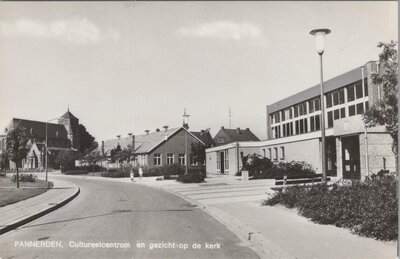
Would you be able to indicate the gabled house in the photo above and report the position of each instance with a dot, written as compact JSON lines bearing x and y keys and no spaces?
{"x":227,"y":136}
{"x":162,"y":147}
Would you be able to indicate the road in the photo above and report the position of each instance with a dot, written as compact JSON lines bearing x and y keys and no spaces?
{"x":142,"y":222}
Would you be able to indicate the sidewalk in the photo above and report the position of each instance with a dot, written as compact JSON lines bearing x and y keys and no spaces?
{"x":20,"y":213}
{"x":274,"y":232}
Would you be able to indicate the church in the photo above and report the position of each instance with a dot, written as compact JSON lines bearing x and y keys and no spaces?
{"x":61,"y":136}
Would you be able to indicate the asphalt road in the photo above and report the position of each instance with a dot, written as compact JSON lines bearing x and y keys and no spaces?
{"x":128,"y":221}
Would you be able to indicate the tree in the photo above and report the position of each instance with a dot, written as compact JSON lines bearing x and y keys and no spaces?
{"x":385,"y":111}
{"x":198,"y":152}
{"x":114,"y":153}
{"x":16,"y":146}
{"x":65,"y":159}
{"x":93,"y":157}
{"x":87,"y":142}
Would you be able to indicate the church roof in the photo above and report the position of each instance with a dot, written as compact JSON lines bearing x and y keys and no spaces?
{"x":68,"y":115}
{"x":38,"y":129}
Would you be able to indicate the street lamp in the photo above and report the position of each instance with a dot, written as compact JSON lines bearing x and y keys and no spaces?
{"x":320,"y":46}
{"x":47,"y":147}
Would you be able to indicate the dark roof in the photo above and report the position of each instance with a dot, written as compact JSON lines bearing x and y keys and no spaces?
{"x":143,"y":143}
{"x":240,"y":134}
{"x":38,"y":129}
{"x":329,"y":85}
{"x":68,"y":115}
{"x":204,"y":136}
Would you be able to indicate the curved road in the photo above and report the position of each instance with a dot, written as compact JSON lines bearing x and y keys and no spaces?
{"x":107,"y":212}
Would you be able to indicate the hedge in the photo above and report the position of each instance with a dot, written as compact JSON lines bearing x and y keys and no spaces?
{"x":24,"y":178}
{"x":263,"y":168}
{"x":76,"y":172}
{"x":367,"y":208}
{"x":167,"y":171}
{"x":193,"y":176}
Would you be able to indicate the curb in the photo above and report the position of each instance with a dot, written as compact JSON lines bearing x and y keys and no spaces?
{"x":39,"y":214}
{"x":263,"y":247}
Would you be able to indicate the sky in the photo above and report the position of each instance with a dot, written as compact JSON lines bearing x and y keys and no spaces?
{"x":125,"y":67}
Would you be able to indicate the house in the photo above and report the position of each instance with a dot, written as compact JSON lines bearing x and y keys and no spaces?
{"x":161,"y":147}
{"x":226,"y":136}
{"x":61,"y":136}
{"x":294,"y":132}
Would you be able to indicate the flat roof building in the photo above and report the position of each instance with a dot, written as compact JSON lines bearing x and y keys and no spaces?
{"x":294,"y":131}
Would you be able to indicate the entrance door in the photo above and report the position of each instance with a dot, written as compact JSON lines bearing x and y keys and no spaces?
{"x":351,"y":157}
{"x":222,"y":162}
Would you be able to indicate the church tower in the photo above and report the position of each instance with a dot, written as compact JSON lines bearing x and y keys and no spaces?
{"x":71,"y":124}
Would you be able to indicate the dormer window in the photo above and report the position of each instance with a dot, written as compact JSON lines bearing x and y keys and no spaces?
{"x":57,"y":134}
{"x":31,"y":131}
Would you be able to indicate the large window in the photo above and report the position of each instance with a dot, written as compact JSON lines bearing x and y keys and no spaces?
{"x":352,"y":110}
{"x":330,"y":119}
{"x":359,"y":91}
{"x":314,"y":105}
{"x":182,"y":159}
{"x":270,"y":154}
{"x":360,"y":108}
{"x":157,"y":159}
{"x":276,"y":153}
{"x":226,"y":156}
{"x":350,"y":93}
{"x":170,"y":159}
{"x":282,"y":153}
{"x":315,"y":123}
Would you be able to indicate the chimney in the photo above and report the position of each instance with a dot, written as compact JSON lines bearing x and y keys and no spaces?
{"x":147,"y":132}
{"x":247,"y":129}
{"x":238,"y":130}
{"x":165,"y":128}
{"x":222,"y":128}
{"x":157,"y":130}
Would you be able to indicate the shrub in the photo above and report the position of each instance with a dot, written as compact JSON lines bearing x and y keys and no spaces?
{"x":256,"y":163}
{"x":166,"y":170}
{"x":76,"y":172}
{"x":293,"y":168}
{"x":3,"y":173}
{"x":24,"y":178}
{"x":115,"y":173}
{"x":192,"y":177}
{"x":367,"y":208}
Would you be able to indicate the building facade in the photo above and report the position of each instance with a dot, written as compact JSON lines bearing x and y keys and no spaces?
{"x":162,"y":147}
{"x":63,"y":135}
{"x":352,"y":150}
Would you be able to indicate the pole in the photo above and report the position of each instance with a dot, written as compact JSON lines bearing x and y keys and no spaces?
{"x":46,"y":152}
{"x":186,"y":158}
{"x":322,"y":123}
{"x":365,"y":131}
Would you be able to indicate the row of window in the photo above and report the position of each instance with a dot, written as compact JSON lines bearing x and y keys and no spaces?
{"x":337,"y":97}
{"x":171,"y":160}
{"x":301,"y":125}
{"x":274,"y":154}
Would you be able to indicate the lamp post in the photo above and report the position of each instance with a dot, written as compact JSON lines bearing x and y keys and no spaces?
{"x":46,"y":158}
{"x":320,"y":46}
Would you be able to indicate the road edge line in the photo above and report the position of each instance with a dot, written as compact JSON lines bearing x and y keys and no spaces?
{"x":39,"y":214}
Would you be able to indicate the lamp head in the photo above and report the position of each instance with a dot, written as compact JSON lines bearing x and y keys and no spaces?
{"x":320,"y":39}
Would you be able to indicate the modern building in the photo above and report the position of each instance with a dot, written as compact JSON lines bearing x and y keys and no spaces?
{"x":161,"y":147}
{"x":64,"y":135}
{"x":294,"y":133}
